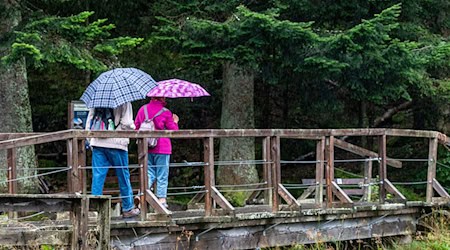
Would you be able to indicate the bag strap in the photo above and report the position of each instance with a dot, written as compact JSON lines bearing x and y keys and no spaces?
{"x":146,"y":112}
{"x":157,"y":114}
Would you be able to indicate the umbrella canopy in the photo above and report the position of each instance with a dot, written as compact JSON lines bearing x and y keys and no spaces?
{"x":116,"y":87}
{"x":175,"y":88}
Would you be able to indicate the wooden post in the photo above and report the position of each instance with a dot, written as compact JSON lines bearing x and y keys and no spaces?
{"x":432,"y":157}
{"x":74,"y":177}
{"x":143,"y":176}
{"x":267,"y":173}
{"x":12,"y":170}
{"x":367,"y":179}
{"x":329,"y":156}
{"x":70,"y":116}
{"x":383,"y":170}
{"x":12,"y":175}
{"x":69,"y":164}
{"x":276,"y":170}
{"x":320,"y":150}
{"x":77,"y":238}
{"x":82,"y":162}
{"x":84,"y":221}
{"x":103,"y":223}
{"x":208,"y":156}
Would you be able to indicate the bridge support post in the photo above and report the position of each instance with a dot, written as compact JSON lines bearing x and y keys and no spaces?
{"x":12,"y":175}
{"x":367,"y":180}
{"x":208,"y":156}
{"x":267,"y":170}
{"x":432,"y":157}
{"x":329,"y":156}
{"x":382,"y":165}
{"x":143,"y":184}
{"x":75,"y":157}
{"x":276,"y":170}
{"x":320,"y":158}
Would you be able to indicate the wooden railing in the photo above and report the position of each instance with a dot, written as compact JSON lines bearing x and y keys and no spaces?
{"x":325,"y":188}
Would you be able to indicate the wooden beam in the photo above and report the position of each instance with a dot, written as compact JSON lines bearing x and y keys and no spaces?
{"x":196,"y":199}
{"x":82,"y":163}
{"x":367,"y":180}
{"x":75,"y":218}
{"x":37,"y":139}
{"x":276,"y":170}
{"x":143,"y":176}
{"x":393,"y":190}
{"x":70,"y":115}
{"x":155,"y":204}
{"x":12,"y":175}
{"x":218,"y":133}
{"x":267,"y":170}
{"x":364,"y":152}
{"x":320,"y":163}
{"x":221,"y":201}
{"x":440,"y":189}
{"x":103,"y":222}
{"x":84,"y":222}
{"x":208,"y":158}
{"x":284,"y":193}
{"x":431,"y":174}
{"x":382,"y":166}
{"x":12,"y":170}
{"x":9,"y":136}
{"x":27,"y":205}
{"x":412,"y":133}
{"x":256,"y":193}
{"x":74,"y":174}
{"x":329,"y":172}
{"x":342,"y":196}
{"x":309,"y":191}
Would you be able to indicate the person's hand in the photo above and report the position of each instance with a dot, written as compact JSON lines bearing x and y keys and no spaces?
{"x":175,"y":118}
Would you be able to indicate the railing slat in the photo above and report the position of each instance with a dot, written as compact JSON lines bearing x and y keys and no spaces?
{"x":382,"y":166}
{"x":208,"y":155}
{"x":432,"y":157}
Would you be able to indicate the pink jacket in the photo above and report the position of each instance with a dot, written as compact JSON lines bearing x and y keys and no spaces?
{"x":163,"y":121}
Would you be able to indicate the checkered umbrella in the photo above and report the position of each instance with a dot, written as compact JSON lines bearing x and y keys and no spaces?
{"x":175,"y":88}
{"x":116,"y":87}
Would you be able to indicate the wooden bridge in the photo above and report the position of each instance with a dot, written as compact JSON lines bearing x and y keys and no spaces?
{"x":327,"y":209}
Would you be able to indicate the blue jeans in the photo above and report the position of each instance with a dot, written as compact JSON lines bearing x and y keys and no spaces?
{"x":158,"y":168}
{"x":102,"y":159}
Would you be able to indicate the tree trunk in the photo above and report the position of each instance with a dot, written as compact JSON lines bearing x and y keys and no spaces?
{"x":237,"y":113}
{"x":15,"y":108}
{"x":364,"y":121}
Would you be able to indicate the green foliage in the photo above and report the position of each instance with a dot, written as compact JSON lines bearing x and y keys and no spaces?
{"x":410,"y":194}
{"x":69,"y":40}
{"x":443,"y":168}
{"x":237,"y":199}
{"x":436,"y":235}
{"x":378,"y":68}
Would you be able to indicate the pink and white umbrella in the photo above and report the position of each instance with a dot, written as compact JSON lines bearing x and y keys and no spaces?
{"x":176,"y":88}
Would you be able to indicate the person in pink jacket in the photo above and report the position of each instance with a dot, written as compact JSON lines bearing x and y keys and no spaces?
{"x":159,"y":156}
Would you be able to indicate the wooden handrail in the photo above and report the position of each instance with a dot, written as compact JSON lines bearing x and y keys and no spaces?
{"x":26,"y":139}
{"x":37,"y":139}
{"x":326,"y":140}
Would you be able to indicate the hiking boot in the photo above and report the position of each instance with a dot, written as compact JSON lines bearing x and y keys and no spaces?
{"x":132,"y":213}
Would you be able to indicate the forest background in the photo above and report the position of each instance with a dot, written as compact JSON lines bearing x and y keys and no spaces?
{"x":267,"y":64}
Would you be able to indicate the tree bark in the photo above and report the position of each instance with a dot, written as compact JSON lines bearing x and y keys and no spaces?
{"x":15,"y":108}
{"x":364,"y":121}
{"x":237,"y":113}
